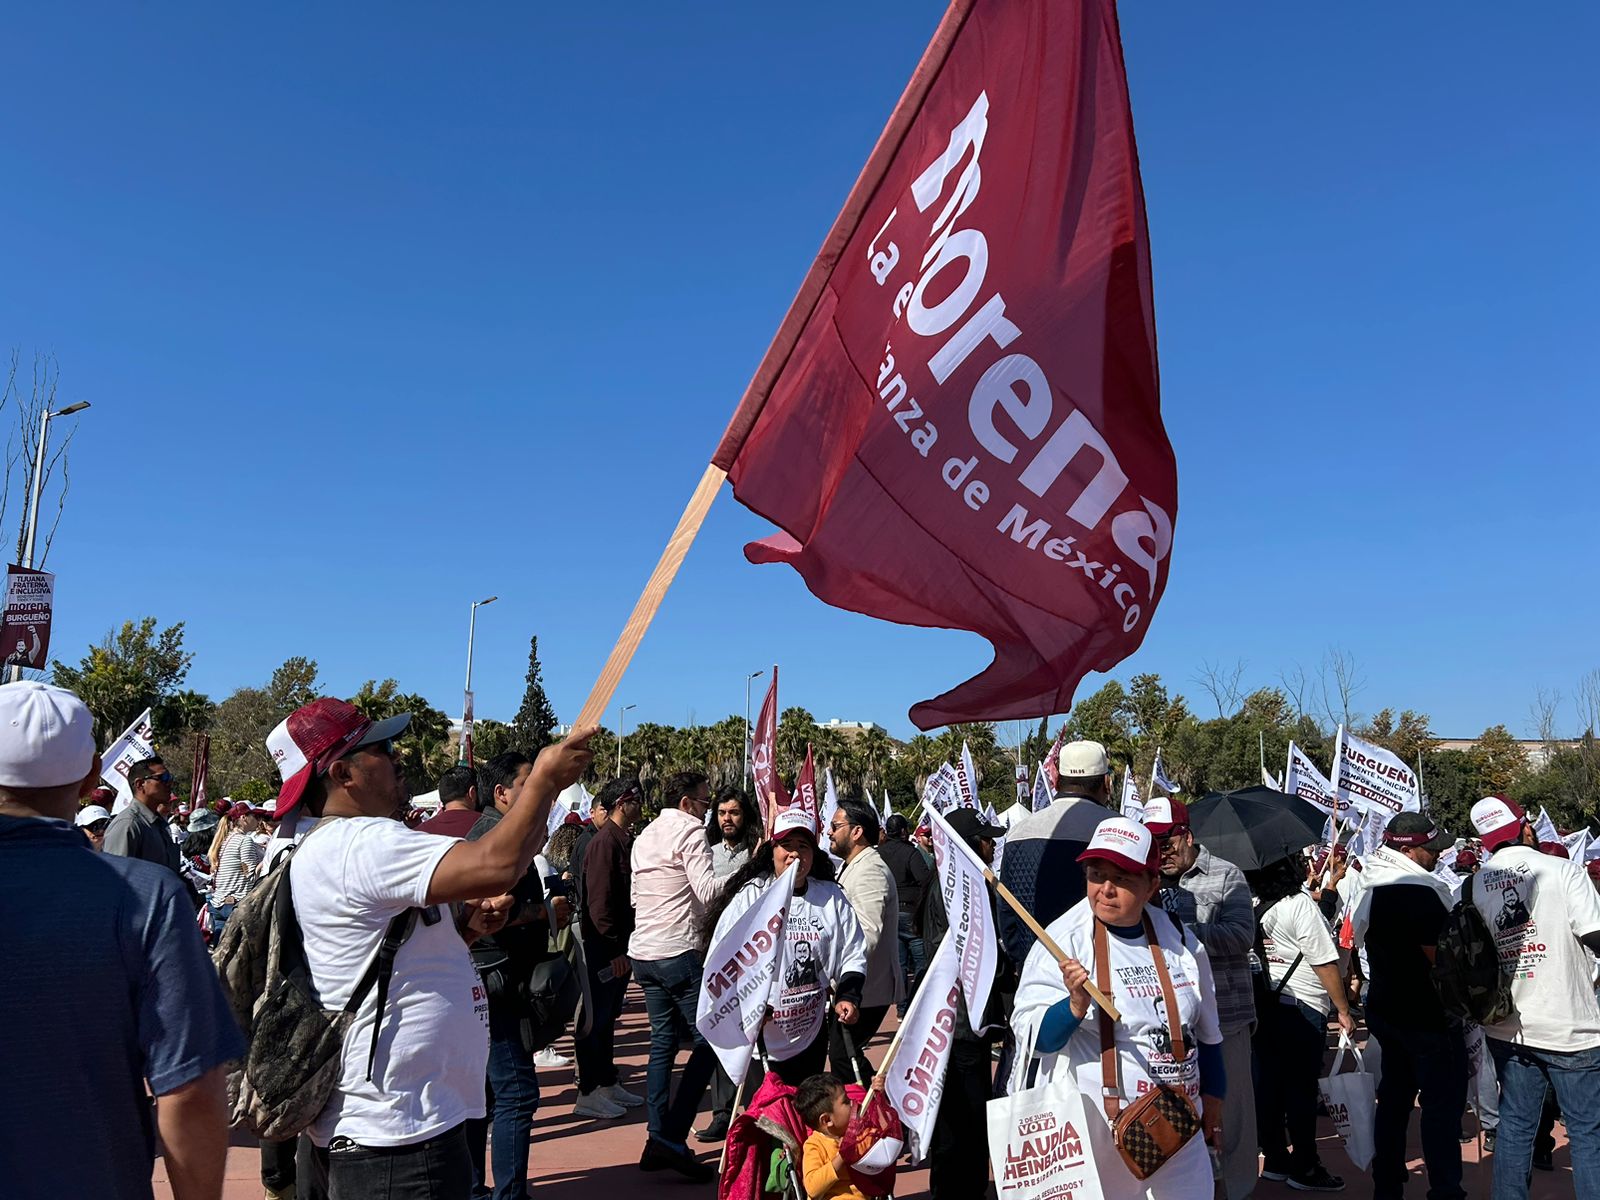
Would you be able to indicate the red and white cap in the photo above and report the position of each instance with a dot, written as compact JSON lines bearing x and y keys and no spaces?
{"x":1126,"y":843}
{"x":1498,"y":821}
{"x":794,"y":816}
{"x":1164,"y":814}
{"x":307,"y":741}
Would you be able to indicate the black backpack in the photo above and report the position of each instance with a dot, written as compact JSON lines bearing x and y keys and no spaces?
{"x":1466,"y":966}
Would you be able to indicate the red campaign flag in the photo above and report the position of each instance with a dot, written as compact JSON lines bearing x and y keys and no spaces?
{"x":958,"y":424}
{"x":805,"y":790}
{"x":1052,"y":760}
{"x":764,"y":755}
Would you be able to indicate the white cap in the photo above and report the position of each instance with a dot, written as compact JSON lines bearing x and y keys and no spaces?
{"x":89,"y":814}
{"x":1497,"y":822}
{"x":796,"y":816}
{"x":46,"y":736}
{"x":1082,"y":760}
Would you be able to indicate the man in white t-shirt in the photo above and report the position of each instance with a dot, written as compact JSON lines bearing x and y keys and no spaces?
{"x":1545,"y":917}
{"x":394,"y":1127}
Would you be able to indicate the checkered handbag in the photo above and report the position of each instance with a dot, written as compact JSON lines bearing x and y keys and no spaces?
{"x":1158,"y":1124}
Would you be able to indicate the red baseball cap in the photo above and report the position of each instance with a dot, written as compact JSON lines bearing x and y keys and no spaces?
{"x":1126,"y":843}
{"x":308,"y":741}
{"x":1498,"y":821}
{"x":1164,"y":814}
{"x":1593,"y":867}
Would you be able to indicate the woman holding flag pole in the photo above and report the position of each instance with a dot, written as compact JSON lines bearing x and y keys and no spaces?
{"x":1163,"y":1052}
{"x":822,"y":945}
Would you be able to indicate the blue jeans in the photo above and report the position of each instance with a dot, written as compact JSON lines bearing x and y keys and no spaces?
{"x":913,"y":958}
{"x":1526,"y":1074}
{"x":671,"y":995}
{"x":513,"y":1098}
{"x":1434,"y":1064}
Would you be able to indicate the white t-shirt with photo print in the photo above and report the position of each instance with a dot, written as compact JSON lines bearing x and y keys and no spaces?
{"x":1537,"y":907}
{"x":351,"y":877}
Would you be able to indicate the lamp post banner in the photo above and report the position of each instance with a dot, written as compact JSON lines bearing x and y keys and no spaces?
{"x":25,"y":631}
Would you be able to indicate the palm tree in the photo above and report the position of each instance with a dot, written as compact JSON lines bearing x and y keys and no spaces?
{"x":725,"y":757}
{"x":797,"y":729}
{"x":922,"y":757}
{"x":873,"y":752}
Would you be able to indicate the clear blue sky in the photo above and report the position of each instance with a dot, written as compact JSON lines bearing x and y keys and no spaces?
{"x":383,"y":308}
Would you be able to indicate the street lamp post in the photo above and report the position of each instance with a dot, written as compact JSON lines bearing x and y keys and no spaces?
{"x":466,"y":708}
{"x":622,"y":715}
{"x":36,"y":490}
{"x":747,"y":680}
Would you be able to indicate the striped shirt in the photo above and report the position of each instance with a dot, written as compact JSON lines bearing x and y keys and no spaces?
{"x":235,"y":865}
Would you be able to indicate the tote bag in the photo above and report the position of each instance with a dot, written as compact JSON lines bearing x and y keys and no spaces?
{"x":1352,"y":1101}
{"x":1039,"y":1145}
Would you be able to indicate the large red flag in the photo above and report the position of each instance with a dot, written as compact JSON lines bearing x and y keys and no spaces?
{"x":958,"y":424}
{"x":805,"y":789}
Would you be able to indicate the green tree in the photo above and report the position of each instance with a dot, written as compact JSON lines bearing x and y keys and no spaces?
{"x":1105,"y":717}
{"x":134,"y":668}
{"x":874,"y":751}
{"x":797,"y":729}
{"x":182,"y":712}
{"x":1499,"y":760}
{"x":921,"y":758}
{"x":536,"y":718}
{"x":490,"y":738}
{"x":423,"y":751}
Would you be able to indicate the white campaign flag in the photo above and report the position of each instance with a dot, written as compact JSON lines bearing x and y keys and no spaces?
{"x":888,"y":809}
{"x":1041,"y":790}
{"x":1577,"y":845}
{"x":1301,"y":778}
{"x":576,"y":799}
{"x":914,"y":1077}
{"x":942,"y":792}
{"x":967,"y":778}
{"x":1132,"y":808}
{"x":741,"y":968}
{"x":558,"y":814}
{"x":1545,"y":829}
{"x":137,"y":743}
{"x":993,"y":818}
{"x":966,"y":903}
{"x":1158,"y":778}
{"x":1369,"y":777}
{"x":1269,"y":780}
{"x":830,"y":800}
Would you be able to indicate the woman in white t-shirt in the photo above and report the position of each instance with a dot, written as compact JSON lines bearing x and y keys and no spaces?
{"x":1304,"y":987}
{"x":1054,"y":1014}
{"x":236,"y":865}
{"x":823,"y":947}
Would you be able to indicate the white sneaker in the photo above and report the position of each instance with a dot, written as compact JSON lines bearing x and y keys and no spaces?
{"x":549,"y":1058}
{"x":618,"y":1094}
{"x":595,"y":1104}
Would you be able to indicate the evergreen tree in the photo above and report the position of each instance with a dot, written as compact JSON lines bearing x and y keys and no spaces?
{"x":536,"y":718}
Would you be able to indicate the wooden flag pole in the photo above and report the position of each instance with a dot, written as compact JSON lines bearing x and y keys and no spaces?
{"x":655,"y":591}
{"x":1049,"y":943}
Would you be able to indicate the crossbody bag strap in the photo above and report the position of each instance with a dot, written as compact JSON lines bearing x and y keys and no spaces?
{"x":1110,"y":1092}
{"x":378,"y":973}
{"x":1284,"y":982}
{"x":1180,"y":1051}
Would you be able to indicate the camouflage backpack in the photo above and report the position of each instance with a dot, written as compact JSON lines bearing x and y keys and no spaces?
{"x":296,"y":1047}
{"x":1466,"y":966}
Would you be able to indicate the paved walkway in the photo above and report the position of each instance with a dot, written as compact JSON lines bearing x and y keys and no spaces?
{"x":578,"y":1159}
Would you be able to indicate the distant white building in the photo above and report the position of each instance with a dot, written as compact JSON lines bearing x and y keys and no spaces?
{"x":852,"y":726}
{"x":1537,"y":750}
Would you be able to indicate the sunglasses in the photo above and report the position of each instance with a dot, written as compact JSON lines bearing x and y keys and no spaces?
{"x":164,"y":777}
{"x":385,"y":748}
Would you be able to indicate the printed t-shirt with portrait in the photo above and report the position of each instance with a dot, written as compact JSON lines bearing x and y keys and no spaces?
{"x":1294,"y":926}
{"x":1145,"y":1054}
{"x":351,"y":877}
{"x":1537,"y":907}
{"x":822,"y":943}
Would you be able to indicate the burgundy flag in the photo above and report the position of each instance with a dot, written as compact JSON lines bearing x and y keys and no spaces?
{"x":202,"y":767}
{"x":958,"y":423}
{"x":1052,"y":760}
{"x":805,"y":789}
{"x":764,"y":755}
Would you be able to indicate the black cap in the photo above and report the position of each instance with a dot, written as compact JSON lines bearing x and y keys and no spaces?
{"x":971,"y":826}
{"x":1415,"y":831}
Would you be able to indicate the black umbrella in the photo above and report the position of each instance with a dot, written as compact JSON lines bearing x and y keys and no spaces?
{"x":1255,"y":826}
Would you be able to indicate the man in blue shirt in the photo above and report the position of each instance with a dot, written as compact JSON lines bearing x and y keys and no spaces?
{"x":108,"y":995}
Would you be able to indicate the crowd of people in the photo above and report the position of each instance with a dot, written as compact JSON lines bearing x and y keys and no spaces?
{"x":455,"y":951}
